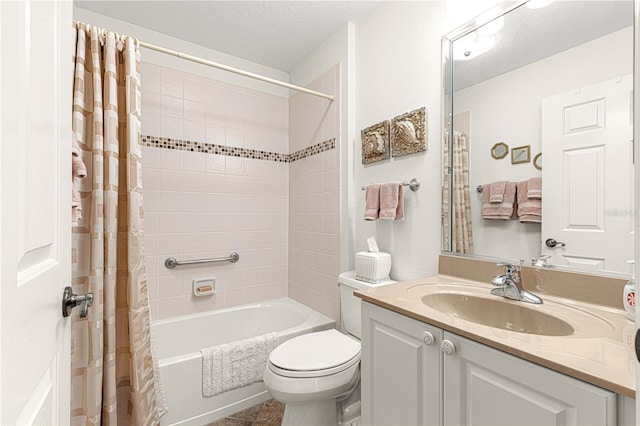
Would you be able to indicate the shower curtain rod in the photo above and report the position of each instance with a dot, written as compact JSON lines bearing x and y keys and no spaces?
{"x":234,"y":70}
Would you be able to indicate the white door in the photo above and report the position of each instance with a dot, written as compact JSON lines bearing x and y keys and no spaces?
{"x":587,"y":146}
{"x":35,"y":217}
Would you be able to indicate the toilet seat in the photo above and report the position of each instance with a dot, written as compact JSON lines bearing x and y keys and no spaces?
{"x":317,"y":354}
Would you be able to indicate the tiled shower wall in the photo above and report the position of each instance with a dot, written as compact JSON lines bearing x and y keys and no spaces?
{"x":200,"y":205}
{"x":225,"y":171}
{"x":314,"y":199}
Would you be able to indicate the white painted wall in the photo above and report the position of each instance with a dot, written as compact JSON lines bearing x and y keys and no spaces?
{"x":398,"y":69}
{"x":169,"y":42}
{"x":519,"y":104}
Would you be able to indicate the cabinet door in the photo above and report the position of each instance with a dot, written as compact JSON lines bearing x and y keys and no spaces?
{"x":484,"y":386}
{"x":626,"y":411}
{"x":401,"y":374}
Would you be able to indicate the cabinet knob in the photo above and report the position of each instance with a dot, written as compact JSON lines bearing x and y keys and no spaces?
{"x":447,"y":347}
{"x":428,"y":338}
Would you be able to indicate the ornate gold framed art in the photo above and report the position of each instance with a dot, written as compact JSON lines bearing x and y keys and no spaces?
{"x":409,"y":133}
{"x":375,"y":143}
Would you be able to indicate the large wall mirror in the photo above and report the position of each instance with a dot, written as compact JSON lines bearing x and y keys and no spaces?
{"x":541,"y":79}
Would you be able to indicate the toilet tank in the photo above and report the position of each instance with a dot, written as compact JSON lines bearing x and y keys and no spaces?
{"x":350,"y":309}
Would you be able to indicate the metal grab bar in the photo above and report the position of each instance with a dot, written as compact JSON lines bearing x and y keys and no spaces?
{"x":171,"y":262}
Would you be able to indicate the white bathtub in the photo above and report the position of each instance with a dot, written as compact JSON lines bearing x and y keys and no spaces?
{"x":179,"y":340}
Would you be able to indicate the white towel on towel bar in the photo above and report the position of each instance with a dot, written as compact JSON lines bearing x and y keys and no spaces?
{"x":236,"y":364}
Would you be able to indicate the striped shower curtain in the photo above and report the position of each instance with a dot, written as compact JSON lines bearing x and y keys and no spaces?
{"x":114,"y":375}
{"x":461,"y":239}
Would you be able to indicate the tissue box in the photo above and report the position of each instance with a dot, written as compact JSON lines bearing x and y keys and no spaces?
{"x":372,"y":267}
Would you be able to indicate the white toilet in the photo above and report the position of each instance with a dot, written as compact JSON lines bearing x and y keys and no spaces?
{"x":317,"y":375}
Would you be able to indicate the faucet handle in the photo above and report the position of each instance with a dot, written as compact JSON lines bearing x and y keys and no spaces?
{"x":511,"y":268}
{"x":541,"y":260}
{"x":499,"y":280}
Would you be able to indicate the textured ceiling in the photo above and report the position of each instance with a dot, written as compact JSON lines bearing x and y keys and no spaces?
{"x":529,"y":35}
{"x":278,"y":34}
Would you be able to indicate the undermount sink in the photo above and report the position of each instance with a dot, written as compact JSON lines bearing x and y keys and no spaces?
{"x":498,"y":313}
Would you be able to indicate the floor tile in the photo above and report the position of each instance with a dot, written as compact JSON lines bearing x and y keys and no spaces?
{"x":270,"y":414}
{"x":249,"y":414}
{"x":231,"y":422}
{"x":265,"y":414}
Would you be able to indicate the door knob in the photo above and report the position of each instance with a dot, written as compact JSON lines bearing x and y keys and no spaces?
{"x":552,"y":243}
{"x":70,"y":301}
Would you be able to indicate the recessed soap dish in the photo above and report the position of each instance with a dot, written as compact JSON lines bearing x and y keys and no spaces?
{"x":204,"y":286}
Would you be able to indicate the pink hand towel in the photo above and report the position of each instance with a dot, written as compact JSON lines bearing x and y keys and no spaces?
{"x":391,"y":201}
{"x":76,"y":205}
{"x":400,"y":209}
{"x":529,"y":209}
{"x":78,"y":170}
{"x":372,"y":201}
{"x":535,"y":188}
{"x":501,"y":211}
{"x":496,"y":191}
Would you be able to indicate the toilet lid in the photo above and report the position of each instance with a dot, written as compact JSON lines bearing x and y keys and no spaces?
{"x":315,"y":351}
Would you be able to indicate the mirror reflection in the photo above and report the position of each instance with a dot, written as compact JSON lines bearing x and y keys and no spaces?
{"x":555,"y":80}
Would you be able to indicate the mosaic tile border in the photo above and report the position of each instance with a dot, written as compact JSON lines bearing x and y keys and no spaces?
{"x":231,"y":151}
{"x":313,"y":150}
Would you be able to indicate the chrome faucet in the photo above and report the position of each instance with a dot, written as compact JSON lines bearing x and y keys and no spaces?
{"x":540,"y":261}
{"x":510,"y":285}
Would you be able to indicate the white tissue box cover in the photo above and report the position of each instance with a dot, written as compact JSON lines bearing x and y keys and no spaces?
{"x":372,"y":267}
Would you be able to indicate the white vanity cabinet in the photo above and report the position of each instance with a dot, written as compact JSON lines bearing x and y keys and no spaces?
{"x":484,"y":386}
{"x":401,"y":369}
{"x":406,"y":381}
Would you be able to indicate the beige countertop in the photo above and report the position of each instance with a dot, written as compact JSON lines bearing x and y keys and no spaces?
{"x":600,"y":351}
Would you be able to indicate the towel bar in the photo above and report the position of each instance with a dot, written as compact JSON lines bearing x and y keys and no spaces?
{"x":171,"y":262}
{"x":479,"y":188}
{"x":413,"y":184}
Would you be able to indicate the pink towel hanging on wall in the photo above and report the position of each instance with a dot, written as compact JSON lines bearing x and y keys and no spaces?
{"x":391,"y":201}
{"x":372,"y":202}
